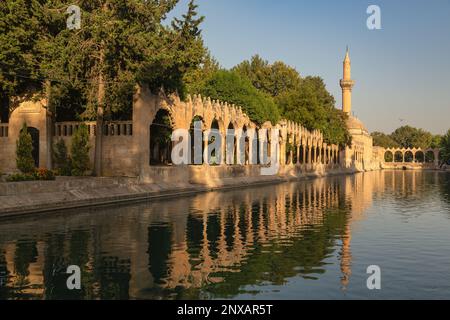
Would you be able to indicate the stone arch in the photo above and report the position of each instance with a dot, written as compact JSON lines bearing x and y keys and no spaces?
{"x":313,"y":151}
{"x":398,"y":156}
{"x":289,"y":148}
{"x":160,"y":138}
{"x":246,"y":146}
{"x":216,"y":154}
{"x":231,"y":154}
{"x":34,"y":133}
{"x":197,"y":146}
{"x":36,"y":116}
{"x":302,"y":151}
{"x":388,"y":156}
{"x":408,"y":156}
{"x":420,"y":156}
{"x":263,"y":145}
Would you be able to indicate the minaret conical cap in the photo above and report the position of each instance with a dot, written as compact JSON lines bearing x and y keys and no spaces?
{"x":347,"y":56}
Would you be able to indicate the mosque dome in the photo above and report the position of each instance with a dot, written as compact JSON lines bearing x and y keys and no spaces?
{"x":355,"y":125}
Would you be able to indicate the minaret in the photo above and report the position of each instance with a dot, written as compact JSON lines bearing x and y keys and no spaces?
{"x":347,"y":84}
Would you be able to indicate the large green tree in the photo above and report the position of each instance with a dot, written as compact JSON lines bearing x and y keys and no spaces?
{"x":445,"y":148}
{"x":313,"y":106}
{"x":273,"y":79}
{"x":229,"y":86}
{"x":196,"y":78}
{"x":407,"y":137}
{"x":381,"y":139}
{"x":20,"y":22}
{"x":121,"y":44}
{"x":303,"y":100}
{"x":410,"y":137}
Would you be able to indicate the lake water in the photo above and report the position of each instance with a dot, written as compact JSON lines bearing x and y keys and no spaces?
{"x":308,"y":240}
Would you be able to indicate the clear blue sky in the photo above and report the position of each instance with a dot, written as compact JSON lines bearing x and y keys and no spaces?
{"x":401,"y":71}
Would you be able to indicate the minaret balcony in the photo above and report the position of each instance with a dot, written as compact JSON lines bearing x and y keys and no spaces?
{"x":347,"y":83}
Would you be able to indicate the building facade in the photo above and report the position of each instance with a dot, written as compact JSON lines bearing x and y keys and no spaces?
{"x":129,"y":147}
{"x":361,"y":154}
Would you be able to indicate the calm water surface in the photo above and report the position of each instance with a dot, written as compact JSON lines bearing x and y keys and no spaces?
{"x":306,"y":240}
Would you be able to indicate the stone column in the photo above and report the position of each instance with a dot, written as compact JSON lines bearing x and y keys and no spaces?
{"x":205,"y":146}
{"x":304,"y":154}
{"x":309,"y":154}
{"x":282,"y":152}
{"x":223,"y":147}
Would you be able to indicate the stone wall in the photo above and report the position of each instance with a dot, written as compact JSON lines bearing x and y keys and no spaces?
{"x":126,"y":145}
{"x":118,"y":159}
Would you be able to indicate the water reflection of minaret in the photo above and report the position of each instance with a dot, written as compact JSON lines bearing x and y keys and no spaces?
{"x":346,"y":256}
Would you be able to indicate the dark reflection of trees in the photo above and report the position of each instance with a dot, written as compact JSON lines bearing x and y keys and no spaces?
{"x":111,"y":273}
{"x":255,"y":215}
{"x":194,"y":237}
{"x":114,"y":278}
{"x":4,"y":273}
{"x":242,"y":221}
{"x":213,"y":233}
{"x":444,"y":184}
{"x":26,"y":253}
{"x":79,"y":255}
{"x":229,"y":229}
{"x":159,"y":249}
{"x":55,"y":268}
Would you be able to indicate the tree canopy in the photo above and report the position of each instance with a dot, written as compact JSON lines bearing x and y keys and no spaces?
{"x":92,"y":73}
{"x":313,"y":106}
{"x":229,"y":86}
{"x":302,"y":100}
{"x":273,"y":79}
{"x":20,"y":22}
{"x":384,"y":140}
{"x":445,"y":148}
{"x":407,"y":137}
{"x":120,"y":44}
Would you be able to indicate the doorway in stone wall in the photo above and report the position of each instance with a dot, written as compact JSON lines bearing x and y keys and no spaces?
{"x":34,"y":133}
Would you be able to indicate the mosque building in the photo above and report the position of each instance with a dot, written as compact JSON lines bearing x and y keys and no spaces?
{"x":361,"y":154}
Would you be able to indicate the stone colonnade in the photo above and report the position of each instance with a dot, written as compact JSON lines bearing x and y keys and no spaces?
{"x":411,"y":155}
{"x":297,"y":144}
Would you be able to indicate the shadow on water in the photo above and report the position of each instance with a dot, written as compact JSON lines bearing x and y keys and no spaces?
{"x":215,"y":245}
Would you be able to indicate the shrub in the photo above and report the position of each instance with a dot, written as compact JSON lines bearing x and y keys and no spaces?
{"x":80,"y":151}
{"x":63,"y":163}
{"x":39,"y":174}
{"x":20,"y":177}
{"x":24,"y":149}
{"x":44,"y":174}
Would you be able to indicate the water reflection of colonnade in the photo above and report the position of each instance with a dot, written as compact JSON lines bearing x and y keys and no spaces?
{"x":183,"y":246}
